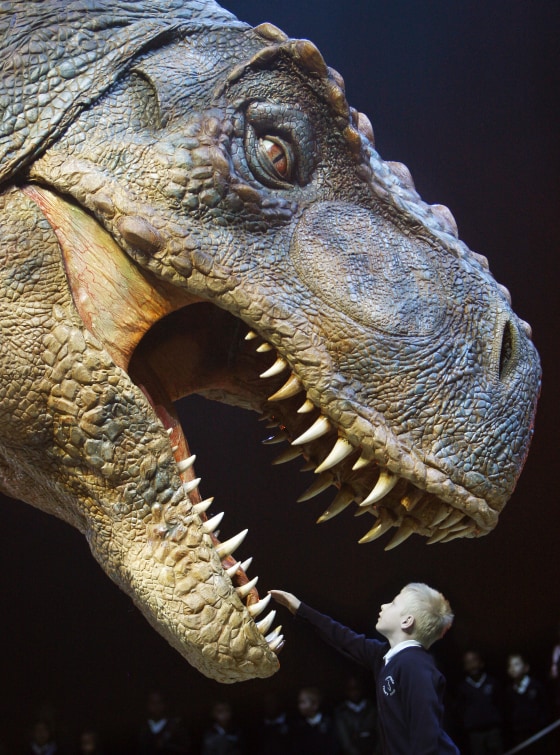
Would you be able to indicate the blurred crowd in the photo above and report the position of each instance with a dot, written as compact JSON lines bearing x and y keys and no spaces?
{"x":486,"y":714}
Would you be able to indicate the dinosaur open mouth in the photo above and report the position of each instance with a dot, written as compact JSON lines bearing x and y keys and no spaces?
{"x":173,"y":344}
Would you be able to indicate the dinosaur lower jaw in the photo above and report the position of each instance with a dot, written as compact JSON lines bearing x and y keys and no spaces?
{"x":117,"y":305}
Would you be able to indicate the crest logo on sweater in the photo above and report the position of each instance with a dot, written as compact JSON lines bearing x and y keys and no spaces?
{"x":389,"y":687}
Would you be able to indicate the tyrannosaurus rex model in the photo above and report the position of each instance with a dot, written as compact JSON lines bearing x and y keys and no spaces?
{"x":189,"y":205}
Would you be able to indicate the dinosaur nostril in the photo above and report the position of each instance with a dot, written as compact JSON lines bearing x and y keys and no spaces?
{"x":507,"y":351}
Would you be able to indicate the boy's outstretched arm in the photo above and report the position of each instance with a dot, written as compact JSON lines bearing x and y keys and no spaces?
{"x":345,"y":640}
{"x":286,"y":599}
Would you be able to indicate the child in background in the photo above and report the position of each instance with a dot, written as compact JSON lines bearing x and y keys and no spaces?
{"x":526,"y":702}
{"x":479,"y":704}
{"x":313,"y":731}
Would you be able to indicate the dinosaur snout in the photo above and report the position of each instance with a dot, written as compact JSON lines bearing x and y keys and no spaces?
{"x":363,"y":265}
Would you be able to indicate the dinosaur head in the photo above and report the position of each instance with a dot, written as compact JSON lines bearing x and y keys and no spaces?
{"x":224,"y":226}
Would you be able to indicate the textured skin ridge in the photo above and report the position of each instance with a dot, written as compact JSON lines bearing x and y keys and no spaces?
{"x":46,"y":84}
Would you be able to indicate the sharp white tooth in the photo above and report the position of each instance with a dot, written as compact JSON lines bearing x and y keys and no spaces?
{"x":340,"y":451}
{"x":367,"y":510}
{"x":318,"y":485}
{"x":308,"y":467}
{"x":225,"y":549}
{"x":274,"y":634}
{"x":279,"y":366}
{"x":211,"y":524}
{"x":244,"y":590}
{"x":405,"y":531}
{"x":251,"y":335}
{"x":382,"y":525}
{"x":442,"y":514}
{"x":342,"y":500}
{"x":169,"y":430}
{"x":452,"y":536}
{"x":246,"y":564}
{"x":178,"y":496}
{"x":453,"y":518}
{"x":232,"y":570}
{"x":385,"y":483}
{"x":320,"y":427}
{"x":291,"y":387}
{"x":264,"y":347}
{"x":277,"y":644}
{"x":278,"y":438}
{"x":289,"y":454}
{"x":200,"y":508}
{"x":174,"y":448}
{"x":362,"y":462}
{"x":185,"y":464}
{"x":456,"y":527}
{"x":264,"y":625}
{"x":191,"y":485}
{"x":255,"y":609}
{"x":306,"y":407}
{"x":436,"y":537}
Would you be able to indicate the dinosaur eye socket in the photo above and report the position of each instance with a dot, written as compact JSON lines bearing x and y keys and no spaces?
{"x":275,"y":157}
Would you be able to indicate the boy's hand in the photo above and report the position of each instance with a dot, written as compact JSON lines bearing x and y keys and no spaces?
{"x":286,"y":599}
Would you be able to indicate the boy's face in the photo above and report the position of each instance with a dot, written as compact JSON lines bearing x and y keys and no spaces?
{"x":391,"y":615}
{"x":308,"y":704}
{"x":473,"y":665}
{"x":517,"y":668}
{"x":222,"y":714}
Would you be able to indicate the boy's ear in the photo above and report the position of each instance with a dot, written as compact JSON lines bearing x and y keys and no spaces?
{"x":407,"y":622}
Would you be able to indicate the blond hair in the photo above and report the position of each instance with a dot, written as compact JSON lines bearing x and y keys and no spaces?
{"x":431,"y":611}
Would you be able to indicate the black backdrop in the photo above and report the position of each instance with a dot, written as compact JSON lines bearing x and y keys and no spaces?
{"x":466,"y":95}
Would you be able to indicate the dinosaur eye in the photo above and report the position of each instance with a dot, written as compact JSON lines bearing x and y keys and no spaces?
{"x":271,"y":159}
{"x":276,"y":157}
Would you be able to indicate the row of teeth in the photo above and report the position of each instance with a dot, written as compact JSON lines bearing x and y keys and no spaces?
{"x":274,"y":638}
{"x":450,"y":523}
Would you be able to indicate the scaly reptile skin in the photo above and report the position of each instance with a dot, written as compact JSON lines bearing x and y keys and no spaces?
{"x":187,"y":205}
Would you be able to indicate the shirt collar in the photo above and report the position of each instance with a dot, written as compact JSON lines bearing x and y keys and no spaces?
{"x":157,"y":726}
{"x":356,"y":707}
{"x":521,"y":688}
{"x":478,"y":683}
{"x":316,"y":719}
{"x":400,"y":646}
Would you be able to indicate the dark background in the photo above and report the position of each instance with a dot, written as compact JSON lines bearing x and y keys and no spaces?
{"x":466,"y":95}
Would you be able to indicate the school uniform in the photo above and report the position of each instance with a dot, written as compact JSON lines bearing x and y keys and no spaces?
{"x":527,"y":708}
{"x":479,"y":703}
{"x":409,"y":687}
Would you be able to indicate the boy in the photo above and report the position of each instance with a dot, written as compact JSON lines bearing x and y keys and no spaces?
{"x":526,"y":702}
{"x":409,"y":686}
{"x":479,"y":705}
{"x":313,"y":731}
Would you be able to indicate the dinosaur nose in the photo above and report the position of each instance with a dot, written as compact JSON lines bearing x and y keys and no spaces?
{"x":507,"y":348}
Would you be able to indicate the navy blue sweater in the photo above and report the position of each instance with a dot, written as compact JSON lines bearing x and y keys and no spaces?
{"x":409,"y":689}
